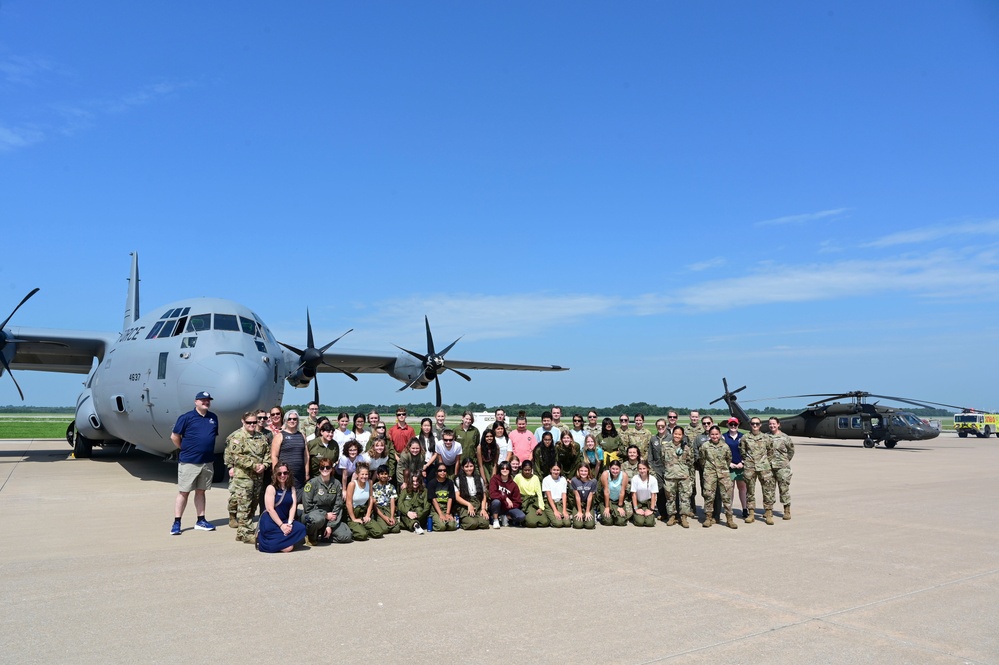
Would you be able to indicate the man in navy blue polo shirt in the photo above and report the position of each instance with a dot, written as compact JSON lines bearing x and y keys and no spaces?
{"x":195,"y":434}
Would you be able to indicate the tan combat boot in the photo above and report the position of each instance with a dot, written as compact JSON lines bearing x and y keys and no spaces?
{"x":671,"y":521}
{"x":768,"y":515}
{"x":752,"y":515}
{"x":708,"y":521}
{"x":232,"y":521}
{"x":730,"y":521}
{"x":683,"y":522}
{"x":787,"y":511}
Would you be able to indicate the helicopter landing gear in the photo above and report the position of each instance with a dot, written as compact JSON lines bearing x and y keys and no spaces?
{"x":890,"y":444}
{"x":869,"y":442}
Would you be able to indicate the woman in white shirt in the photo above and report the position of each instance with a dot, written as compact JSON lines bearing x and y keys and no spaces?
{"x":556,"y":508}
{"x":644,"y":489}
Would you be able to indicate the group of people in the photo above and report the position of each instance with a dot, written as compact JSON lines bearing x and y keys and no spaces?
{"x":356,"y":478}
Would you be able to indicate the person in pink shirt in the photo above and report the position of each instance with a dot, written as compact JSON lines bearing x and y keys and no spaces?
{"x":522,"y":440}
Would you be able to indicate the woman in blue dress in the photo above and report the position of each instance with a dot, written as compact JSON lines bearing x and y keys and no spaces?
{"x":278,"y":531}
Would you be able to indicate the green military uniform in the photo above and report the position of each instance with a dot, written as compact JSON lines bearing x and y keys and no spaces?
{"x":544,"y":458}
{"x":360,"y":530}
{"x":318,"y":500}
{"x":243,"y":452}
{"x":570,"y":458}
{"x":413,"y":502}
{"x":640,"y":438}
{"x":657,"y":467}
{"x":469,"y":441}
{"x":408,"y":463}
{"x":611,"y":446}
{"x":531,"y":502}
{"x":318,"y":451}
{"x":679,"y":480}
{"x":613,"y":517}
{"x":716,"y":458}
{"x":384,"y":510}
{"x":757,"y":455}
{"x":781,"y":463}
{"x":481,"y":519}
{"x":441,"y":498}
{"x":307,"y":425}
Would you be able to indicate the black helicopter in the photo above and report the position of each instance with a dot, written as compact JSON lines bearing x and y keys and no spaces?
{"x":857,"y":419}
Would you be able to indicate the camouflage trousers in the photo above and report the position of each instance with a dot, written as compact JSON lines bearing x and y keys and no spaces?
{"x":784,"y":484}
{"x":722,"y":484}
{"x":674,"y":489}
{"x":766,"y":478}
{"x":243,"y":495}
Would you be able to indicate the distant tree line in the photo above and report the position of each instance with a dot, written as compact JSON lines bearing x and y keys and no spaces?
{"x":11,"y":408}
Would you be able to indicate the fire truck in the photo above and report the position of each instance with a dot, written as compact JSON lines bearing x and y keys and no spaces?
{"x":972,"y":422}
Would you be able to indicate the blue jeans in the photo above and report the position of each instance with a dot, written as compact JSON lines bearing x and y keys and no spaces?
{"x":496,"y":509}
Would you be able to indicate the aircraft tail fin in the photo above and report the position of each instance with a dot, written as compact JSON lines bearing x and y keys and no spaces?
{"x":132,"y":300}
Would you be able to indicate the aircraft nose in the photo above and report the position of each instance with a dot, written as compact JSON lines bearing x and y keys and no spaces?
{"x":237,"y":384}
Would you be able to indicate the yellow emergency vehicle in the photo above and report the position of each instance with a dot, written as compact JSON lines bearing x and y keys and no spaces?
{"x":979,"y":424}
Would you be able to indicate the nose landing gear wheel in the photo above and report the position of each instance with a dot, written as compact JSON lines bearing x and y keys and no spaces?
{"x":869,"y":442}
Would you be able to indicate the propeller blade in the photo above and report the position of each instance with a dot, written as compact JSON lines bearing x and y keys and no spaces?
{"x":342,"y":371}
{"x":316,"y":380}
{"x":430,"y":337}
{"x":323,"y":350}
{"x":449,"y":347}
{"x":309,"y":341}
{"x":23,"y":300}
{"x":292,"y":348}
{"x":416,"y":355}
{"x":920,"y":403}
{"x":11,"y":374}
{"x":461,"y":374}
{"x":437,"y":384}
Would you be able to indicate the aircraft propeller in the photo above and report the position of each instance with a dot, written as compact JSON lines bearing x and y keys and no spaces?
{"x":311,"y":358}
{"x":4,"y":341}
{"x":433,"y":363}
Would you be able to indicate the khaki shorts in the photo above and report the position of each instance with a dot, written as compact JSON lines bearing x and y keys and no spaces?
{"x":194,"y":476}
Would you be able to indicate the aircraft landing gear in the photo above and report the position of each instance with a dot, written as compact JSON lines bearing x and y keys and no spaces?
{"x":890,"y":444}
{"x":869,"y":442}
{"x":82,"y":446}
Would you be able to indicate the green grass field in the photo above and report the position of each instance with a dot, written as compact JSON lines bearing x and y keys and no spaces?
{"x":33,"y":426}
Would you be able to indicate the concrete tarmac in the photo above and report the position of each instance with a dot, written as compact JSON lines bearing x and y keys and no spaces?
{"x":892,"y":557}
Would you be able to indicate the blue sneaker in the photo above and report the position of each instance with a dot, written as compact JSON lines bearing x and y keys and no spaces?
{"x":204,"y":525}
{"x":175,"y":529}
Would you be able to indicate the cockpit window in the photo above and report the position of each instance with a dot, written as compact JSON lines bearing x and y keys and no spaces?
{"x":912,"y":420}
{"x":249,"y":326}
{"x":155,"y":330}
{"x":898,"y":420}
{"x":167,"y":329}
{"x":226,"y":322}
{"x":199,"y":322}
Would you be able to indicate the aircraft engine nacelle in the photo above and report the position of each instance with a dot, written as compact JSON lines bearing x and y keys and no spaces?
{"x":407,"y":369}
{"x":301,"y":378}
{"x":88,"y":422}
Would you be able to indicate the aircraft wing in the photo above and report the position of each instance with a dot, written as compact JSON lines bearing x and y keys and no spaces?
{"x":54,"y":350}
{"x":369,"y":363}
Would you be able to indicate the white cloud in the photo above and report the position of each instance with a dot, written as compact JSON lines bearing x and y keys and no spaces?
{"x":931,"y":233}
{"x":12,"y":138}
{"x":23,"y":70}
{"x":705,"y":265}
{"x":802,"y":219}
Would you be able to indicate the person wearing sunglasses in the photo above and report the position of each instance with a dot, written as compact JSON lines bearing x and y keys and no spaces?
{"x":247,"y":454}
{"x":278,"y":531}
{"x":733,"y":437}
{"x":757,"y":450}
{"x":609,"y":441}
{"x":323,"y":505}
{"x":289,"y":447}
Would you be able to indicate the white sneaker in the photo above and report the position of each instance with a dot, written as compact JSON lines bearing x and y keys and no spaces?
{"x":506,"y":520}
{"x":418,"y":530}
{"x":496,"y":523}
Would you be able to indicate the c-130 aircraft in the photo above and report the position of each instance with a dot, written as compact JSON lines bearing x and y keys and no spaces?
{"x":148,"y":374}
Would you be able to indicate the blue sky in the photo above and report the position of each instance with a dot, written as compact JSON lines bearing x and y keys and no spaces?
{"x":799,"y":196}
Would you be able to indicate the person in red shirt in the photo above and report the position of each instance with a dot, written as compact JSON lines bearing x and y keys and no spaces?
{"x":401,"y":433}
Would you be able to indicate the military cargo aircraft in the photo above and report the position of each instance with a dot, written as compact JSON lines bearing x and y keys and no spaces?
{"x":857,"y":419}
{"x":147,"y":375}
